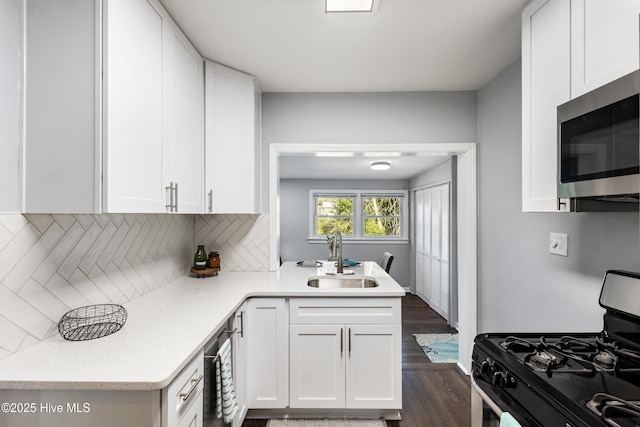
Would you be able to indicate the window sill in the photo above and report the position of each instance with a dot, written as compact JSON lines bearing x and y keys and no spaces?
{"x":356,"y":241}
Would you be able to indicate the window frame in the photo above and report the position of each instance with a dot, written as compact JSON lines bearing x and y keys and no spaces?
{"x":328,"y":195}
{"x":359,"y":215}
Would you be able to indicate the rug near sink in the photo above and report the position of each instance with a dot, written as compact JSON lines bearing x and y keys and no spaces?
{"x":439,"y":348}
{"x":326,"y":422}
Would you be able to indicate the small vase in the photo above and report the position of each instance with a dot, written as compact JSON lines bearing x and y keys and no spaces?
{"x":200,"y":259}
{"x":214,"y":260}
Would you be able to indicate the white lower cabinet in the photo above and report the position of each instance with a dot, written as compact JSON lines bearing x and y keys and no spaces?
{"x":345,"y":353}
{"x":317,"y":366}
{"x":267,"y":361}
{"x":182,"y":399}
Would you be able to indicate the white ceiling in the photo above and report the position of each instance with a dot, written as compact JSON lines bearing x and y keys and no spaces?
{"x":405,"y":45}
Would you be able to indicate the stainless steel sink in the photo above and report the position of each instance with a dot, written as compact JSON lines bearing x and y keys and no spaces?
{"x":341,"y":282}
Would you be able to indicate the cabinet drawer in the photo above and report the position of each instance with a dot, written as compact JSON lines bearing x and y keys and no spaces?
{"x":183,"y":391}
{"x":345,"y":310}
{"x":194,"y":416}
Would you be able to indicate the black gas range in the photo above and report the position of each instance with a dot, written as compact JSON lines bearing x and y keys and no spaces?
{"x":569,"y":379}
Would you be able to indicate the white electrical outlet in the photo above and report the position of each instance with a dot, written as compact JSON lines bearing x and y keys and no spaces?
{"x":558,"y":244}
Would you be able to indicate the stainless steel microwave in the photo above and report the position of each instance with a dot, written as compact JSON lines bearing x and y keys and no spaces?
{"x":598,"y":144}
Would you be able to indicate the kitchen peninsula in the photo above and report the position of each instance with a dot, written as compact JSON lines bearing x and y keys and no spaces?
{"x":166,"y":331}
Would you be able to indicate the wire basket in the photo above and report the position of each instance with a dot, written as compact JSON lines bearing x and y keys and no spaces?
{"x":92,"y":321}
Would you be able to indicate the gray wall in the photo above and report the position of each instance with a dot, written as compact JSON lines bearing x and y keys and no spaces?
{"x":294,"y":225}
{"x":521,"y":286}
{"x":387,"y":118}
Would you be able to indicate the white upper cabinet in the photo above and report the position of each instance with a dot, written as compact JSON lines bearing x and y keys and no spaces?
{"x":568,"y":49}
{"x":154,"y":112}
{"x":545,"y":85}
{"x":604,"y":42}
{"x":114,"y":109}
{"x":10,"y":105}
{"x":232,"y":143}
{"x":132,"y":140}
{"x":61,"y":107}
{"x":183,"y":120}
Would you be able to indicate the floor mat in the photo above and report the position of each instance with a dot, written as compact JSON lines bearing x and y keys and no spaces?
{"x":439,"y":348}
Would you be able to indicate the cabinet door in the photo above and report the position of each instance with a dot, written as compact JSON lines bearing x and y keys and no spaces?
{"x":61,"y":111}
{"x":239,"y":364}
{"x":267,"y":355}
{"x":317,"y":369}
{"x":545,"y":85}
{"x":604,"y":42}
{"x":133,"y":107}
{"x":231,"y":148}
{"x":183,"y":119}
{"x":374,"y":366}
{"x":194,"y":416}
{"x":10,"y":37}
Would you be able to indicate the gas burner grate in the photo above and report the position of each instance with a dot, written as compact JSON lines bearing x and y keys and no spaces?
{"x":566,"y":354}
{"x":615,"y":411}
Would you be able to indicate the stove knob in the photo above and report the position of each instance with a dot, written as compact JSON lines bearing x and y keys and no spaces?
{"x":503,"y":379}
{"x":487,"y":367}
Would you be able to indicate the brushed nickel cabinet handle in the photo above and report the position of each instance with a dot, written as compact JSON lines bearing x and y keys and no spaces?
{"x":341,"y":341}
{"x":175,"y":188}
{"x":194,"y":385}
{"x":210,"y":200}
{"x":170,"y":189}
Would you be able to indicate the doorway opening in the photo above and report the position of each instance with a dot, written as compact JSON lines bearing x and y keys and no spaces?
{"x":466,"y":217}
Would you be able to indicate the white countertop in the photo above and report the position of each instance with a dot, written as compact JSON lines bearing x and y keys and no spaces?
{"x":165,"y":329}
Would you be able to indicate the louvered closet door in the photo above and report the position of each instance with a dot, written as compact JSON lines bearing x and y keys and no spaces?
{"x":434,"y":259}
{"x":419,"y":243}
{"x":444,"y":250}
{"x":432,"y":247}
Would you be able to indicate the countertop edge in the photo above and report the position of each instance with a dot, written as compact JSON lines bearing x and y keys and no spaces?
{"x":232,"y":303}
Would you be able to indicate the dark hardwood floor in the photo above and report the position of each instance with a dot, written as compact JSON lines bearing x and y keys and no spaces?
{"x":433,"y":394}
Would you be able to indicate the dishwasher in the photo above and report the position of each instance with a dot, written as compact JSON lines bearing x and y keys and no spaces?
{"x":211,"y":354}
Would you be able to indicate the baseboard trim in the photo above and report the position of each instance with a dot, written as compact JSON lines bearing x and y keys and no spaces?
{"x":263,"y":414}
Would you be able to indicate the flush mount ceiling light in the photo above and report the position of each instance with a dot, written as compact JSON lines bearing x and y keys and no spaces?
{"x":381,"y":165}
{"x":349,"y":5}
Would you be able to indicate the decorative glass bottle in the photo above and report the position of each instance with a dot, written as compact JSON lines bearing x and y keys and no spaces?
{"x":200,"y":259}
{"x":214,"y":260}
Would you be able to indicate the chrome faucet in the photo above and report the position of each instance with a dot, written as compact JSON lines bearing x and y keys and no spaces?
{"x":337,"y":246}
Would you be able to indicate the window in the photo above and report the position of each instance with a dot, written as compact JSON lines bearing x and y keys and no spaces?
{"x":334,"y":212}
{"x":367,"y":216}
{"x":381,"y":215}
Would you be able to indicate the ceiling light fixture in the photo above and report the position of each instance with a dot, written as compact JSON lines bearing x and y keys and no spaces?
{"x":349,"y":5}
{"x":382,"y":165}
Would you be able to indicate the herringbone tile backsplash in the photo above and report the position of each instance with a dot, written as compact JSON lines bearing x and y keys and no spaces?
{"x":241,"y":240}
{"x":50,"y":264}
